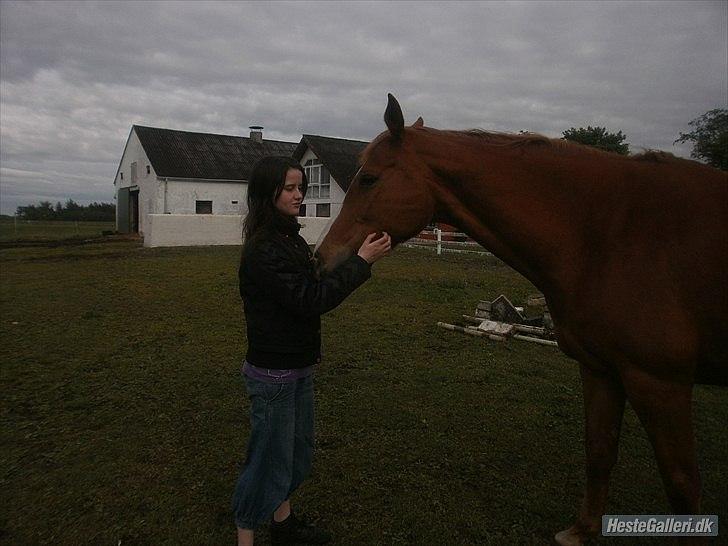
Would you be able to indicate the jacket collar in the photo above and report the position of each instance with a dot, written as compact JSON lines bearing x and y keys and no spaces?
{"x":286,"y":225}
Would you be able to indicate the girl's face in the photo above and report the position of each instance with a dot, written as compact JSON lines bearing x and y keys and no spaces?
{"x":288,"y":202}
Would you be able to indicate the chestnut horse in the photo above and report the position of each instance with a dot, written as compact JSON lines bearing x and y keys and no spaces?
{"x":631,"y":254}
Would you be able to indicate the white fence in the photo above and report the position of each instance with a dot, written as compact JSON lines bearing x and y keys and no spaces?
{"x":442,"y":242}
{"x":211,"y":229}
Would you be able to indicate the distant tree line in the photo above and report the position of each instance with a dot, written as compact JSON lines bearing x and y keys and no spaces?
{"x":45,"y":210}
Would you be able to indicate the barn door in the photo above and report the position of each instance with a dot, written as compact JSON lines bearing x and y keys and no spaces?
{"x":127,"y":213}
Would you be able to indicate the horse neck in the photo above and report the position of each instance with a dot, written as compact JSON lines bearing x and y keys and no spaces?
{"x":517,"y":203}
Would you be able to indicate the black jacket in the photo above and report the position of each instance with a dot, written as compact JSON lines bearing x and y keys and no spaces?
{"x":283,"y":301}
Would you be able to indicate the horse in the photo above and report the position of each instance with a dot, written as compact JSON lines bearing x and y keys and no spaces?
{"x":630,"y":252}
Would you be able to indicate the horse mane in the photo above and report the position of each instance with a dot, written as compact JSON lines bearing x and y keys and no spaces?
{"x":534,"y":139}
{"x":657,"y":156}
{"x":505,"y":139}
{"x":528,"y":139}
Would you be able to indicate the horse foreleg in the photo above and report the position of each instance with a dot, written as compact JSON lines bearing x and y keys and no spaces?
{"x":664,"y":408}
{"x":604,"y":409}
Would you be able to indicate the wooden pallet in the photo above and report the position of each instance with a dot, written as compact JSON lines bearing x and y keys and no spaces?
{"x":499,"y":320}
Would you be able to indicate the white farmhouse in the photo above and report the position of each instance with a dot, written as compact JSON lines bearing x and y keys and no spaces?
{"x":185,"y":188}
{"x":181,"y":173}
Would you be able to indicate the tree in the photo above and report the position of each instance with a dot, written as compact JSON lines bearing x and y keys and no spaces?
{"x":600,"y":138}
{"x":710,"y":138}
{"x":95,"y":212}
{"x":72,"y":210}
{"x":45,"y":210}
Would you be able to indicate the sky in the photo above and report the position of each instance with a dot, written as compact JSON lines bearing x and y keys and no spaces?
{"x":75,"y":76}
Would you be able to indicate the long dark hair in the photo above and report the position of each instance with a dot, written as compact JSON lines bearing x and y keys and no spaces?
{"x":265,"y":185}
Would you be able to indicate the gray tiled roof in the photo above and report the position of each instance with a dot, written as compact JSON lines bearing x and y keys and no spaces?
{"x":182,"y":154}
{"x":340,"y":156}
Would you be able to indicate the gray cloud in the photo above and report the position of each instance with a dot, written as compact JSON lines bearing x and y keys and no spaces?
{"x":74,"y":77}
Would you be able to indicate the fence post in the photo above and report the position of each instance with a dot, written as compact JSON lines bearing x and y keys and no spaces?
{"x":439,"y":241}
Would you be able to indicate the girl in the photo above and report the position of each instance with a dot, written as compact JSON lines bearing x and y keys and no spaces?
{"x":283,"y":302}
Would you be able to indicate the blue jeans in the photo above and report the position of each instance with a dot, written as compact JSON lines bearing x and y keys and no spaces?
{"x":280,"y":448}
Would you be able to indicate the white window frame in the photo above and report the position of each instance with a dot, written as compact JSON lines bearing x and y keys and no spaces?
{"x":319,"y":180}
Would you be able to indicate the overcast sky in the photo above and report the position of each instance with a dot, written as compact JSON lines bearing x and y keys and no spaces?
{"x":74,"y":77}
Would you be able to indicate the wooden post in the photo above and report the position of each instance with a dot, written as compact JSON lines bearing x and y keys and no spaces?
{"x":519,"y":327}
{"x":536,"y":340}
{"x":530,"y":329}
{"x":470,"y":331}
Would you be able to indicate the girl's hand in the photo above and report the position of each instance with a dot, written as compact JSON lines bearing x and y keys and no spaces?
{"x":372,"y":248}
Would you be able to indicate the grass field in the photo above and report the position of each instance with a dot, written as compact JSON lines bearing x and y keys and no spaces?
{"x":124,"y":418}
{"x":31,"y":230}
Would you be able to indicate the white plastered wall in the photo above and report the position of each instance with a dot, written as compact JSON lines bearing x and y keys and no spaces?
{"x":211,"y":229}
{"x":180,"y":197}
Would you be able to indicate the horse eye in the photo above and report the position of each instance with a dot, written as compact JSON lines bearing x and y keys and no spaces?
{"x":367,"y":180}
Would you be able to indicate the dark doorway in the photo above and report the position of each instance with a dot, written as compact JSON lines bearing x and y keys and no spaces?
{"x":134,"y":211}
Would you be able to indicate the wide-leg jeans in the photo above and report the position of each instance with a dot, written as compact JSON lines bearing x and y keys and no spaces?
{"x":280,"y":448}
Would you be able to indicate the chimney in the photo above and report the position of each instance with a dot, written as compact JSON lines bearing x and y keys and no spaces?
{"x":256,"y":133}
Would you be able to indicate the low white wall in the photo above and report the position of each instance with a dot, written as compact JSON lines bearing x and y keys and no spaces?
{"x":312,"y":228}
{"x":212,"y":229}
{"x":193,"y":230}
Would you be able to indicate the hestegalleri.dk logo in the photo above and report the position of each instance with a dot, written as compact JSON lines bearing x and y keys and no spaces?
{"x":623,"y":525}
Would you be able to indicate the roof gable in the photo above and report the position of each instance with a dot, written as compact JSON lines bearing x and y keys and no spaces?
{"x":182,"y":154}
{"x":340,"y":156}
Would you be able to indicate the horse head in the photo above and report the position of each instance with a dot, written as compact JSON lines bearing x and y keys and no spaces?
{"x":390,"y":192}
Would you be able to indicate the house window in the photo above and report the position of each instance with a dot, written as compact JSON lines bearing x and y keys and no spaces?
{"x":323,"y":210}
{"x":149,"y":170}
{"x":134,"y":173}
{"x":319,"y":180}
{"x":122,"y":176}
{"x":203,"y":207}
{"x":234,"y":202}
{"x":302,"y":210}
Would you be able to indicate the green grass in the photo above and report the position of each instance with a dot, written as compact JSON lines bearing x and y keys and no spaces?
{"x":37,"y":230}
{"x":124,"y":416}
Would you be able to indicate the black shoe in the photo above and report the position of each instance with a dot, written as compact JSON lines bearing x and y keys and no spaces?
{"x":296,"y":530}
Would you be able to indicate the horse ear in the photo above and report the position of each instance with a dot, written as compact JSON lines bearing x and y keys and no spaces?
{"x":393,"y":117}
{"x":419,"y":124}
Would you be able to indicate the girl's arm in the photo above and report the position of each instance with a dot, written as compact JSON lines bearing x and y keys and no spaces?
{"x":296,"y":288}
